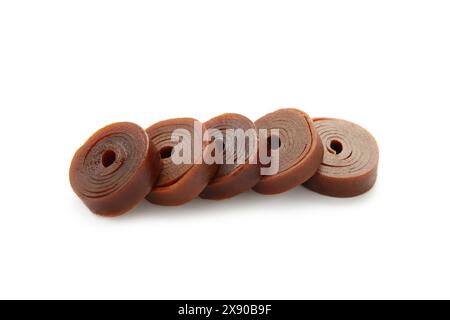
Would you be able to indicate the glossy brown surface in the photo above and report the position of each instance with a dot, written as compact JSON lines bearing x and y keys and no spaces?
{"x":179,"y":183}
{"x":115,"y":169}
{"x":300,"y":150}
{"x":350,"y":162}
{"x":233,"y":177}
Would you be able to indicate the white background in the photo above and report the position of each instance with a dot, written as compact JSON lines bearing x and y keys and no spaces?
{"x":68,"y":68}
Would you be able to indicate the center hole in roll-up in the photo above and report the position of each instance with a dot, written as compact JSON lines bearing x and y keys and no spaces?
{"x":166,"y":152}
{"x":336,"y":146}
{"x":108,"y":158}
{"x":273,"y":143}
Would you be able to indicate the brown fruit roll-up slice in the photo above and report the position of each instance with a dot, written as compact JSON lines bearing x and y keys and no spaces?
{"x":115,"y":169}
{"x":236,"y":139}
{"x":297,"y":145}
{"x":184,"y":174}
{"x":349,"y":166}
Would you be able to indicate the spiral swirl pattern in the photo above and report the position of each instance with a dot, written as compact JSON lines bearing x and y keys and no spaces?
{"x":240,"y":170}
{"x":116,"y":160}
{"x":161,"y":135}
{"x":180,"y":182}
{"x":300,"y":151}
{"x":350,"y":162}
